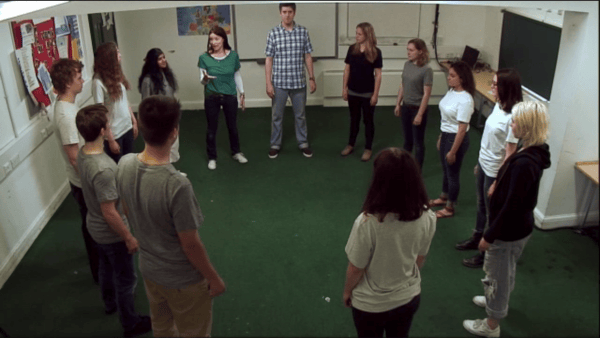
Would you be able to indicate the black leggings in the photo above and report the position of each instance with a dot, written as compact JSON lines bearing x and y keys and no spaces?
{"x":356,"y":105}
{"x":395,"y":322}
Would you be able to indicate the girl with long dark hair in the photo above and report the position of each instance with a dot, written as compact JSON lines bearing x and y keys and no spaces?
{"x":387,"y":248}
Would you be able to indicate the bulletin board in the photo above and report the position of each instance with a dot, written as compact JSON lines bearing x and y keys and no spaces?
{"x":38,"y":43}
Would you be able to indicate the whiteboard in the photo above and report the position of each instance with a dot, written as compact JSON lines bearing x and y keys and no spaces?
{"x":254,"y":21}
{"x":388,"y":20}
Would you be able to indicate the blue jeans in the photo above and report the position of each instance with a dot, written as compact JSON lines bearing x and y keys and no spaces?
{"x":357,"y":104}
{"x":395,"y":322}
{"x":414,"y":135}
{"x":298,"y":97}
{"x":212,"y":106}
{"x":483,"y":183}
{"x":118,"y":281}
{"x":500,"y":267}
{"x":451,"y":182}
{"x":126,"y":144}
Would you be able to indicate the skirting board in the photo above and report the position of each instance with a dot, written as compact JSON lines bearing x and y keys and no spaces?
{"x":563,"y":221}
{"x":19,"y":251}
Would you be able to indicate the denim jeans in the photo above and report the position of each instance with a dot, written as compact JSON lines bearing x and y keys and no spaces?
{"x":298,"y":97}
{"x":414,"y":135}
{"x":212,"y":107}
{"x":118,"y":281}
{"x":500,"y":267}
{"x":356,"y":105}
{"x":126,"y":144}
{"x":451,"y":181}
{"x":90,"y":244}
{"x":483,"y":183}
{"x":395,"y":322}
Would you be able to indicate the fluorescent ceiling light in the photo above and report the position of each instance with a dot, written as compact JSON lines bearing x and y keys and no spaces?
{"x":12,"y":9}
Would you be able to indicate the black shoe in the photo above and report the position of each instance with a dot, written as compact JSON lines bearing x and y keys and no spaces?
{"x":144,"y":326}
{"x":469,"y":244}
{"x":474,"y":262}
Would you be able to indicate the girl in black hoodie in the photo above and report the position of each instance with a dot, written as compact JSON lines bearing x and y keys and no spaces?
{"x":511,"y":215}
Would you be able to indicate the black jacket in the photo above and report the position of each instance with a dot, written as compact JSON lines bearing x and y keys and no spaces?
{"x":515,"y":196}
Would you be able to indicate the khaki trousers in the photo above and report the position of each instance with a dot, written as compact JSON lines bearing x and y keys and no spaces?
{"x":183,"y":312}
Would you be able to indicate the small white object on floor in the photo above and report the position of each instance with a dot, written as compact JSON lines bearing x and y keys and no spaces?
{"x":327,"y":299}
{"x":212,"y":164}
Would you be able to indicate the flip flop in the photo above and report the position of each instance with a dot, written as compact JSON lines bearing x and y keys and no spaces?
{"x":438,"y":202}
{"x":447,"y":212}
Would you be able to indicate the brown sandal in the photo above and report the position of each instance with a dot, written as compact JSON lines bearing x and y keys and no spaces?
{"x":447,"y":212}
{"x":438,"y":202}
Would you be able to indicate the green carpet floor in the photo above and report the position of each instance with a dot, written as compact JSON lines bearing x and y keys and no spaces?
{"x":276,"y":229}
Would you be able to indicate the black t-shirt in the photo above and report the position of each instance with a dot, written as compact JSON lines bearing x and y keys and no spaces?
{"x":362,"y":77}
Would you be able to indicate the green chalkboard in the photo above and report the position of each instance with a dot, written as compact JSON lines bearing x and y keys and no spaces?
{"x":531,"y":47}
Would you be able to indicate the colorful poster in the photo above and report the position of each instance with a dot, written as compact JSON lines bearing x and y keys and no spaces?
{"x":200,"y":19}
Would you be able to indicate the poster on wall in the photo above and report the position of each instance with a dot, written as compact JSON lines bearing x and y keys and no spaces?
{"x":199,"y":20}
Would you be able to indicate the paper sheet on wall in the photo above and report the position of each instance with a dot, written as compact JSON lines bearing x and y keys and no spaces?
{"x":27,"y":34}
{"x":62,"y":44}
{"x":61,"y":27}
{"x":25,"y":58}
{"x":44,"y":77}
{"x":37,"y":21}
{"x":75,"y":49}
{"x":73,"y":25}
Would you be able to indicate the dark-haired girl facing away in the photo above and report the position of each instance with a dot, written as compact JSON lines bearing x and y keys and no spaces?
{"x":157,"y":78}
{"x":387,"y":248}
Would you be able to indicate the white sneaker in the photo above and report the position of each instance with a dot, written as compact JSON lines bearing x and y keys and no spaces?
{"x":479,"y":301}
{"x":212,"y":164}
{"x":240,"y":158}
{"x":480,"y":327}
{"x":182,"y":173}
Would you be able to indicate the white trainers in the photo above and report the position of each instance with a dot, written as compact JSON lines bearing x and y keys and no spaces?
{"x":240,"y":158}
{"x":212,"y":164}
{"x":480,"y":327}
{"x":479,"y":301}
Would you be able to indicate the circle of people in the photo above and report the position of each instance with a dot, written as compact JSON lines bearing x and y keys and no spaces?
{"x":117,"y":189}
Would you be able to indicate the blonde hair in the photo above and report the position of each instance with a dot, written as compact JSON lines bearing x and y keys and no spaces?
{"x":531,"y":118}
{"x":370,"y":42}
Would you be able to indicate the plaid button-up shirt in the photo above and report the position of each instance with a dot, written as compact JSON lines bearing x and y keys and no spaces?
{"x":287,"y":48}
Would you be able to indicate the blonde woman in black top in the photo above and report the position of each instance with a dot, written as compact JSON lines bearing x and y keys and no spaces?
{"x":362,"y":80}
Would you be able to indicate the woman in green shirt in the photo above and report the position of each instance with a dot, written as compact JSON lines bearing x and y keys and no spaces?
{"x":220,"y":75}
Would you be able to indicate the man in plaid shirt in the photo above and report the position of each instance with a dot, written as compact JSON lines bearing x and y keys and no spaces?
{"x":288,"y":47}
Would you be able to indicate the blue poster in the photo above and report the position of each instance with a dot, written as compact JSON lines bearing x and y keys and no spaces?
{"x":200,"y":19}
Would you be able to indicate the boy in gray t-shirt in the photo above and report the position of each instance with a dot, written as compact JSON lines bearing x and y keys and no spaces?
{"x":161,"y":206}
{"x":106,"y":223}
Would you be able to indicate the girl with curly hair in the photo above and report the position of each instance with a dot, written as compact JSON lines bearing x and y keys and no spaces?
{"x":157,"y":78}
{"x":109,"y":87}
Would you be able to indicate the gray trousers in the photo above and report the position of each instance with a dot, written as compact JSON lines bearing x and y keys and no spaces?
{"x":500,"y":266}
{"x":298,"y":97}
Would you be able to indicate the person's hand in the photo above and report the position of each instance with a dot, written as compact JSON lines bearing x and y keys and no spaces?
{"x":243,"y":101}
{"x":483,"y":245}
{"x":491,"y":190}
{"x":450,"y":158}
{"x":135,"y":130}
{"x":439,"y":142}
{"x":270,"y":90}
{"x":313,"y":86}
{"x":397,"y":110}
{"x":345,"y":94}
{"x":417,"y":120}
{"x":207,"y":78}
{"x":476,"y":169}
{"x":374,"y":99}
{"x":132,"y":245}
{"x":216,"y":287}
{"x":114,"y":146}
{"x":347,"y":298}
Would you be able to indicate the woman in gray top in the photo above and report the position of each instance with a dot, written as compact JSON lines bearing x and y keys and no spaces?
{"x":413,"y":97}
{"x":158,"y":79}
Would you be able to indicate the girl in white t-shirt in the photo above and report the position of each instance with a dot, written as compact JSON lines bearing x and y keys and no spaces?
{"x":387,"y":247}
{"x":456,"y":108}
{"x":109,"y":87}
{"x":497,"y":144}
